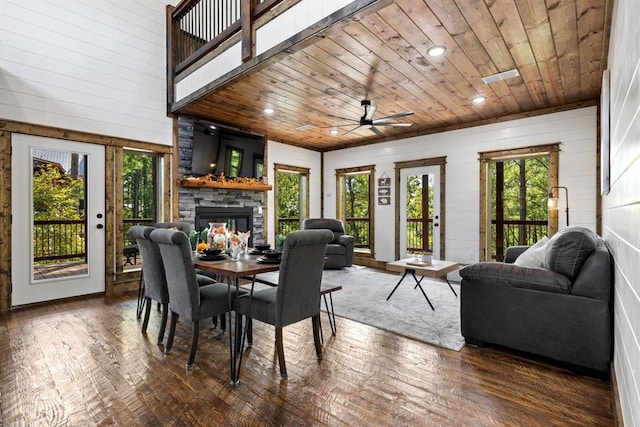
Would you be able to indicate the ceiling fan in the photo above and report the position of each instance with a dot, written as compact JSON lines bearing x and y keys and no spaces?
{"x":367,"y":120}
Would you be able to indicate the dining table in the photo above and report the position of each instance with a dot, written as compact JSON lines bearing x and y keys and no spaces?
{"x":245,"y":267}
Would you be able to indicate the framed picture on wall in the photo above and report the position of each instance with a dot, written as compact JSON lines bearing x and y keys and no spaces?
{"x":384,"y":182}
{"x":605,"y":141}
{"x":384,"y":191}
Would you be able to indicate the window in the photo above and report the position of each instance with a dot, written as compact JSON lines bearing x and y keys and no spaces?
{"x":292,"y":198}
{"x":139,"y":195}
{"x":514,"y":204}
{"x":355,"y":205}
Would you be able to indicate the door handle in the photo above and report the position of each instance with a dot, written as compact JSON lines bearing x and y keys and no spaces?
{"x":100,"y":226}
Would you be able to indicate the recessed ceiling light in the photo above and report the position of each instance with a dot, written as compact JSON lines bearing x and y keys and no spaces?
{"x":478,"y":100}
{"x":268,"y":110}
{"x":334,"y":131}
{"x":436,"y":50}
{"x":212,"y":127}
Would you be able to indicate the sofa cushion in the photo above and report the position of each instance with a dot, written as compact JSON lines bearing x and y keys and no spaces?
{"x":500,"y":274}
{"x":568,"y":249}
{"x":534,"y":256}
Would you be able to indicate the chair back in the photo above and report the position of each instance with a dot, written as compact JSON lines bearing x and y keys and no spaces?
{"x":335,"y":225}
{"x":300,"y":277}
{"x":180,"y":273}
{"x":155,"y":282}
{"x":185,"y":227}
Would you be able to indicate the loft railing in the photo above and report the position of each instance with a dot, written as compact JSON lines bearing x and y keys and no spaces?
{"x":197,"y":27}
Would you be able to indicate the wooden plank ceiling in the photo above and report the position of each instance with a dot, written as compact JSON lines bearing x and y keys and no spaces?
{"x":558,"y":47}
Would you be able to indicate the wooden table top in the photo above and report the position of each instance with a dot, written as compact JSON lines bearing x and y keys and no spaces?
{"x":436,"y":269}
{"x":247,"y":265}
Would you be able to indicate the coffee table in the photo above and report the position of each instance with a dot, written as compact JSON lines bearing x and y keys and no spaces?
{"x":437,"y":269}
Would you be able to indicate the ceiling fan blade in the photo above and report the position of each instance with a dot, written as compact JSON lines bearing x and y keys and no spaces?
{"x":335,"y":126}
{"x":375,"y":130}
{"x":395,"y":116}
{"x":357,"y":127}
{"x":392,"y":124}
{"x":342,"y":118}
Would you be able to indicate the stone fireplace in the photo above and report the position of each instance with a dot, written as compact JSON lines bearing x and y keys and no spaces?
{"x":240,"y":209}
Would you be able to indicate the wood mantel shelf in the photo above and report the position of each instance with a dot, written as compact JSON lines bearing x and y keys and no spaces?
{"x":207,"y":183}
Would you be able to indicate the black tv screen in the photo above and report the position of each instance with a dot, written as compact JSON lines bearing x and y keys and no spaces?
{"x":220,"y":151}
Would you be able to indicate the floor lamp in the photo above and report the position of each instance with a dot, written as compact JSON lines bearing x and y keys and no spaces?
{"x":552,"y":202}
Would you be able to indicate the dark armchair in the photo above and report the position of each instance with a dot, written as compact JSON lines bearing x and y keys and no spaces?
{"x":340,"y":249}
{"x":560,"y":309}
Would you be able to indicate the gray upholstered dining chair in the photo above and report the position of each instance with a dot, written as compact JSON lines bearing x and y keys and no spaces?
{"x":155,"y":283}
{"x":186,"y":298}
{"x":185,"y":227}
{"x":297,"y":296}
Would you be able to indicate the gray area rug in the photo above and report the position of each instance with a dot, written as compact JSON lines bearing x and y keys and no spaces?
{"x":363,"y":299}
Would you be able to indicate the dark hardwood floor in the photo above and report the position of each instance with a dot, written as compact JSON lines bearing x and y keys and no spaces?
{"x":84,"y":362}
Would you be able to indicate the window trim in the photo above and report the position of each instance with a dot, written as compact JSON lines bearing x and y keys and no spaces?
{"x":552,"y":150}
{"x":302,"y":171}
{"x":340,"y":203}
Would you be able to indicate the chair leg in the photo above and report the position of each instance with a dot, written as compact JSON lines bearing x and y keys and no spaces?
{"x":250,"y":331}
{"x":223,"y":322}
{"x":163,"y":322}
{"x":280,"y":351}
{"x":195,"y":333}
{"x":172,"y":333}
{"x":316,"y":335}
{"x":147,"y":313}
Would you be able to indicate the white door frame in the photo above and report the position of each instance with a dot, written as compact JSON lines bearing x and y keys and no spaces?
{"x":433,"y":170}
{"x":25,"y":289}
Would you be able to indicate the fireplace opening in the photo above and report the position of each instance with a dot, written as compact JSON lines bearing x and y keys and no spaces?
{"x":237,"y":219}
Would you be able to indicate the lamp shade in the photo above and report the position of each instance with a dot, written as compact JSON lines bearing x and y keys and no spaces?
{"x":552,"y":203}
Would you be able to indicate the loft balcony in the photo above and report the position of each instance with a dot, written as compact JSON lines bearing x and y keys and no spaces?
{"x":211,"y":42}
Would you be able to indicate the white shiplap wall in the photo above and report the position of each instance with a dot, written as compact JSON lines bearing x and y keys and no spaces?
{"x":92,"y":66}
{"x":575,"y":130}
{"x":621,"y":207}
{"x":294,"y":156}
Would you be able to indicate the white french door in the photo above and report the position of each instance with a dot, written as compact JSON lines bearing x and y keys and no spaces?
{"x":57,"y":233}
{"x":412,"y":230}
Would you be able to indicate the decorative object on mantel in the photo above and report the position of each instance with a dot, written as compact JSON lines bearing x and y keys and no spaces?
{"x":220,"y":181}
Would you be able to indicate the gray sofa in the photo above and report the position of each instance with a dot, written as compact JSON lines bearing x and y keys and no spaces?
{"x":560,"y":309}
{"x":339,"y":250}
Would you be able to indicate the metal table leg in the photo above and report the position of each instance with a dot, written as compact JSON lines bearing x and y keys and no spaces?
{"x":398,"y":284}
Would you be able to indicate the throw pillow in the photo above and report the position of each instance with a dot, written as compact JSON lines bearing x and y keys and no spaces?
{"x":534,"y":256}
{"x":568,"y":249}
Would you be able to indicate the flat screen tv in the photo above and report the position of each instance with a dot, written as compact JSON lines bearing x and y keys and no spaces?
{"x":220,"y":151}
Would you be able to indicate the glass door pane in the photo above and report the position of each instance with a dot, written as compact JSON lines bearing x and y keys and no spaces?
{"x":58,"y":216}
